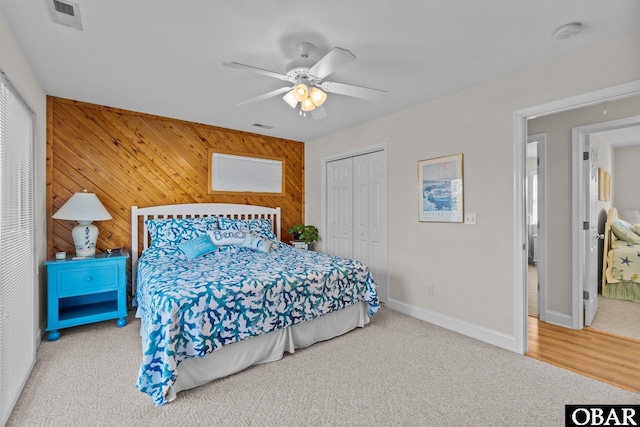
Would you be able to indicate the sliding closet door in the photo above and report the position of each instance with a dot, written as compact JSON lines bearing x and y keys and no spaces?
{"x":370,"y":215}
{"x":340,"y":208}
{"x":357,"y":212}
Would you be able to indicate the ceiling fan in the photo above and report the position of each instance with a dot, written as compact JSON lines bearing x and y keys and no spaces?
{"x":307,"y":77}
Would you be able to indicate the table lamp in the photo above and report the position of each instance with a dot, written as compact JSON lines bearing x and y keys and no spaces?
{"x":85,"y":208}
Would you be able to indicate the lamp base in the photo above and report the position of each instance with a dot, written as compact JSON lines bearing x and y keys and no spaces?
{"x":85,"y":236}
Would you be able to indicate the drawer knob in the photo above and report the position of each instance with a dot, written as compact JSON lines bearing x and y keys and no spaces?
{"x":89,"y":278}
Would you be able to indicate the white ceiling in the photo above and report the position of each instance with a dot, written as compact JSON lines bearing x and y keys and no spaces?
{"x":623,"y":137}
{"x":164,"y":57}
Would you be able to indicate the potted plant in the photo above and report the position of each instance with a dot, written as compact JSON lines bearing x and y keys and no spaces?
{"x":304,"y":234}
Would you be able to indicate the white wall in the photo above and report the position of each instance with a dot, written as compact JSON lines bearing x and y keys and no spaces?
{"x":17,"y":68}
{"x":471,"y":266}
{"x":626,"y":180}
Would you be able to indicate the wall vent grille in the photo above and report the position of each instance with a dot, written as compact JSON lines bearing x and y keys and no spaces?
{"x":67,"y":9}
{"x":65,"y":13}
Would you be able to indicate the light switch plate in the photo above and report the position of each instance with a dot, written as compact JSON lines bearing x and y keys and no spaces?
{"x":470,"y":218}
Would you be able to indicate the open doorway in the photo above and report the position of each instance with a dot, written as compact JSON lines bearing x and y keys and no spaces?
{"x":521,"y":118}
{"x":617,"y":142}
{"x":535,"y":197}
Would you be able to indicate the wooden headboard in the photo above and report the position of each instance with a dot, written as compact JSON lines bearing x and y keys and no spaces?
{"x":609,"y":238}
{"x":190,"y":210}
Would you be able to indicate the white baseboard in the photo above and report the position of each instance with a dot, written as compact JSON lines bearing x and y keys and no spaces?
{"x":489,"y":336}
{"x":559,"y":319}
{"x":40,"y":333}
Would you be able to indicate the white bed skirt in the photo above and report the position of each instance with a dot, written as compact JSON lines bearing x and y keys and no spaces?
{"x":270,"y":347}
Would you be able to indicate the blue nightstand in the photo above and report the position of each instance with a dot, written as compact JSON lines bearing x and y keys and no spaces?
{"x":86,"y":290}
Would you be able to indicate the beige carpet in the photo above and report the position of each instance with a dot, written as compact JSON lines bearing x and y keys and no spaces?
{"x":618,"y":317}
{"x":395,"y":371}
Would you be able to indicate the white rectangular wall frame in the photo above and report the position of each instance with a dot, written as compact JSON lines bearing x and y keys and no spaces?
{"x":232,"y":173}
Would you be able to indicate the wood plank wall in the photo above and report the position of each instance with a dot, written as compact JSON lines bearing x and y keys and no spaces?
{"x":129,"y":158}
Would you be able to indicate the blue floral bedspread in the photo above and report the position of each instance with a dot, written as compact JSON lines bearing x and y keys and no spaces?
{"x":191,"y":307}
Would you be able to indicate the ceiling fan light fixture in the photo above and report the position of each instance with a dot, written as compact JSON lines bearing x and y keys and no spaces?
{"x":305,"y":78}
{"x":301,"y":91}
{"x":317,"y":96}
{"x":290,"y":99}
{"x":307,"y":104}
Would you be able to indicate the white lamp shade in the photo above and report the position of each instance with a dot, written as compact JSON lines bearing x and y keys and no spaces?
{"x":84,"y":207}
{"x":301,"y":90}
{"x":290,"y":99}
{"x":307,"y":104}
{"x":317,"y":96}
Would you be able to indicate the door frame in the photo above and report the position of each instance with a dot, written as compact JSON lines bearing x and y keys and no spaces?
{"x":579,"y":202}
{"x":324,"y":193}
{"x":520,"y":118}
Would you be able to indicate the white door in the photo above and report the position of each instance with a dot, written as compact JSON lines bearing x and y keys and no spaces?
{"x":361,"y":203}
{"x":591,"y":238}
{"x":340,"y":208}
{"x":370,"y":216}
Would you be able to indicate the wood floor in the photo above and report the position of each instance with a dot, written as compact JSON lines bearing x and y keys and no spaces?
{"x":605,"y":357}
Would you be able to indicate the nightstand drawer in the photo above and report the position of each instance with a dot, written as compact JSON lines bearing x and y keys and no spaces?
{"x":81,"y":280}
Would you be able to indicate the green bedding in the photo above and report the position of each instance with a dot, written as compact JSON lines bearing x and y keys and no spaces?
{"x":626,"y":290}
{"x":623,"y":272}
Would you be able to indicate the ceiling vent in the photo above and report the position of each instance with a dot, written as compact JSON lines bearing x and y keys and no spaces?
{"x":260,"y":125}
{"x":65,"y":13}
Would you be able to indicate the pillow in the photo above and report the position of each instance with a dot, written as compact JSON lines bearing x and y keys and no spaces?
{"x":636,"y":228}
{"x":227,"y":237}
{"x":240,"y":238}
{"x":624,"y":231}
{"x":197,"y":247}
{"x":172,"y":231}
{"x":261,"y":227}
{"x":257,"y":243}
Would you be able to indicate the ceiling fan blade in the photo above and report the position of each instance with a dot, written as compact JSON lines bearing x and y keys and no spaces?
{"x":266,"y":95}
{"x":333,"y":60}
{"x":319,"y":113}
{"x":256,"y":70}
{"x":355,"y":91}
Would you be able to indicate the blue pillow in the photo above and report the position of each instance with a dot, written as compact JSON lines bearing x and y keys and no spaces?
{"x":197,"y":247}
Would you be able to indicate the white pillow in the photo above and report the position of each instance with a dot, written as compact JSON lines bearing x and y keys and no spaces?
{"x":227,"y":237}
{"x":257,"y":243}
{"x":240,"y":238}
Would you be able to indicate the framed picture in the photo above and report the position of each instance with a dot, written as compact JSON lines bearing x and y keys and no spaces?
{"x":440,"y":189}
{"x":604,"y":185}
{"x":601,"y":173}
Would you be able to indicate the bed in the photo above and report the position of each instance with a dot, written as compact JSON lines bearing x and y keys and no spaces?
{"x":621,"y":259}
{"x":209,"y":313}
